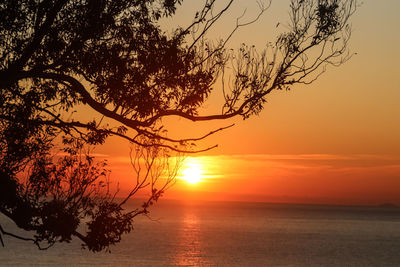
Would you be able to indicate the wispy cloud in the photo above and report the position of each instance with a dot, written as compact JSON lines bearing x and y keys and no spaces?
{"x":352,"y":178}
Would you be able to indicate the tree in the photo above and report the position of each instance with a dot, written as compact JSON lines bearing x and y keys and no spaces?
{"x":114,"y":57}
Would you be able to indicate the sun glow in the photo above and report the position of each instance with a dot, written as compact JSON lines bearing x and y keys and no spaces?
{"x":192,"y":171}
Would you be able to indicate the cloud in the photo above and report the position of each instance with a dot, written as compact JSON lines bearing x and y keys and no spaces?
{"x":348,"y":178}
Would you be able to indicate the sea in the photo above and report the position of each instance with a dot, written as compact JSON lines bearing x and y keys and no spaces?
{"x":235,"y":234}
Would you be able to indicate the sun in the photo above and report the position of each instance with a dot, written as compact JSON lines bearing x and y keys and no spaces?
{"x":192,"y":171}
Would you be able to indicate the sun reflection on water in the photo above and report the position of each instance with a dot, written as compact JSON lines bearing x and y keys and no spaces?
{"x":190,"y":246}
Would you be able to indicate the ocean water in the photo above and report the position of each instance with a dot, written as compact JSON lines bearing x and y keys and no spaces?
{"x":236,"y":234}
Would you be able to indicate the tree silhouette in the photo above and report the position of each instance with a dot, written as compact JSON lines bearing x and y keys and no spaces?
{"x":114,"y":57}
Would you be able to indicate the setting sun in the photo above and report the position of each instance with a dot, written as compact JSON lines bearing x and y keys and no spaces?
{"x":192,"y":171}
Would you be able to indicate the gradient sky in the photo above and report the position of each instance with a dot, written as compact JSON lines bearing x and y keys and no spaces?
{"x":335,"y":141}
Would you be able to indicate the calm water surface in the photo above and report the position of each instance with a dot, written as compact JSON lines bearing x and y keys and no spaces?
{"x":237,"y":234}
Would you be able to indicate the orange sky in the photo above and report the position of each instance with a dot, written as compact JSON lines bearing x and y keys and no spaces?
{"x":335,"y":141}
